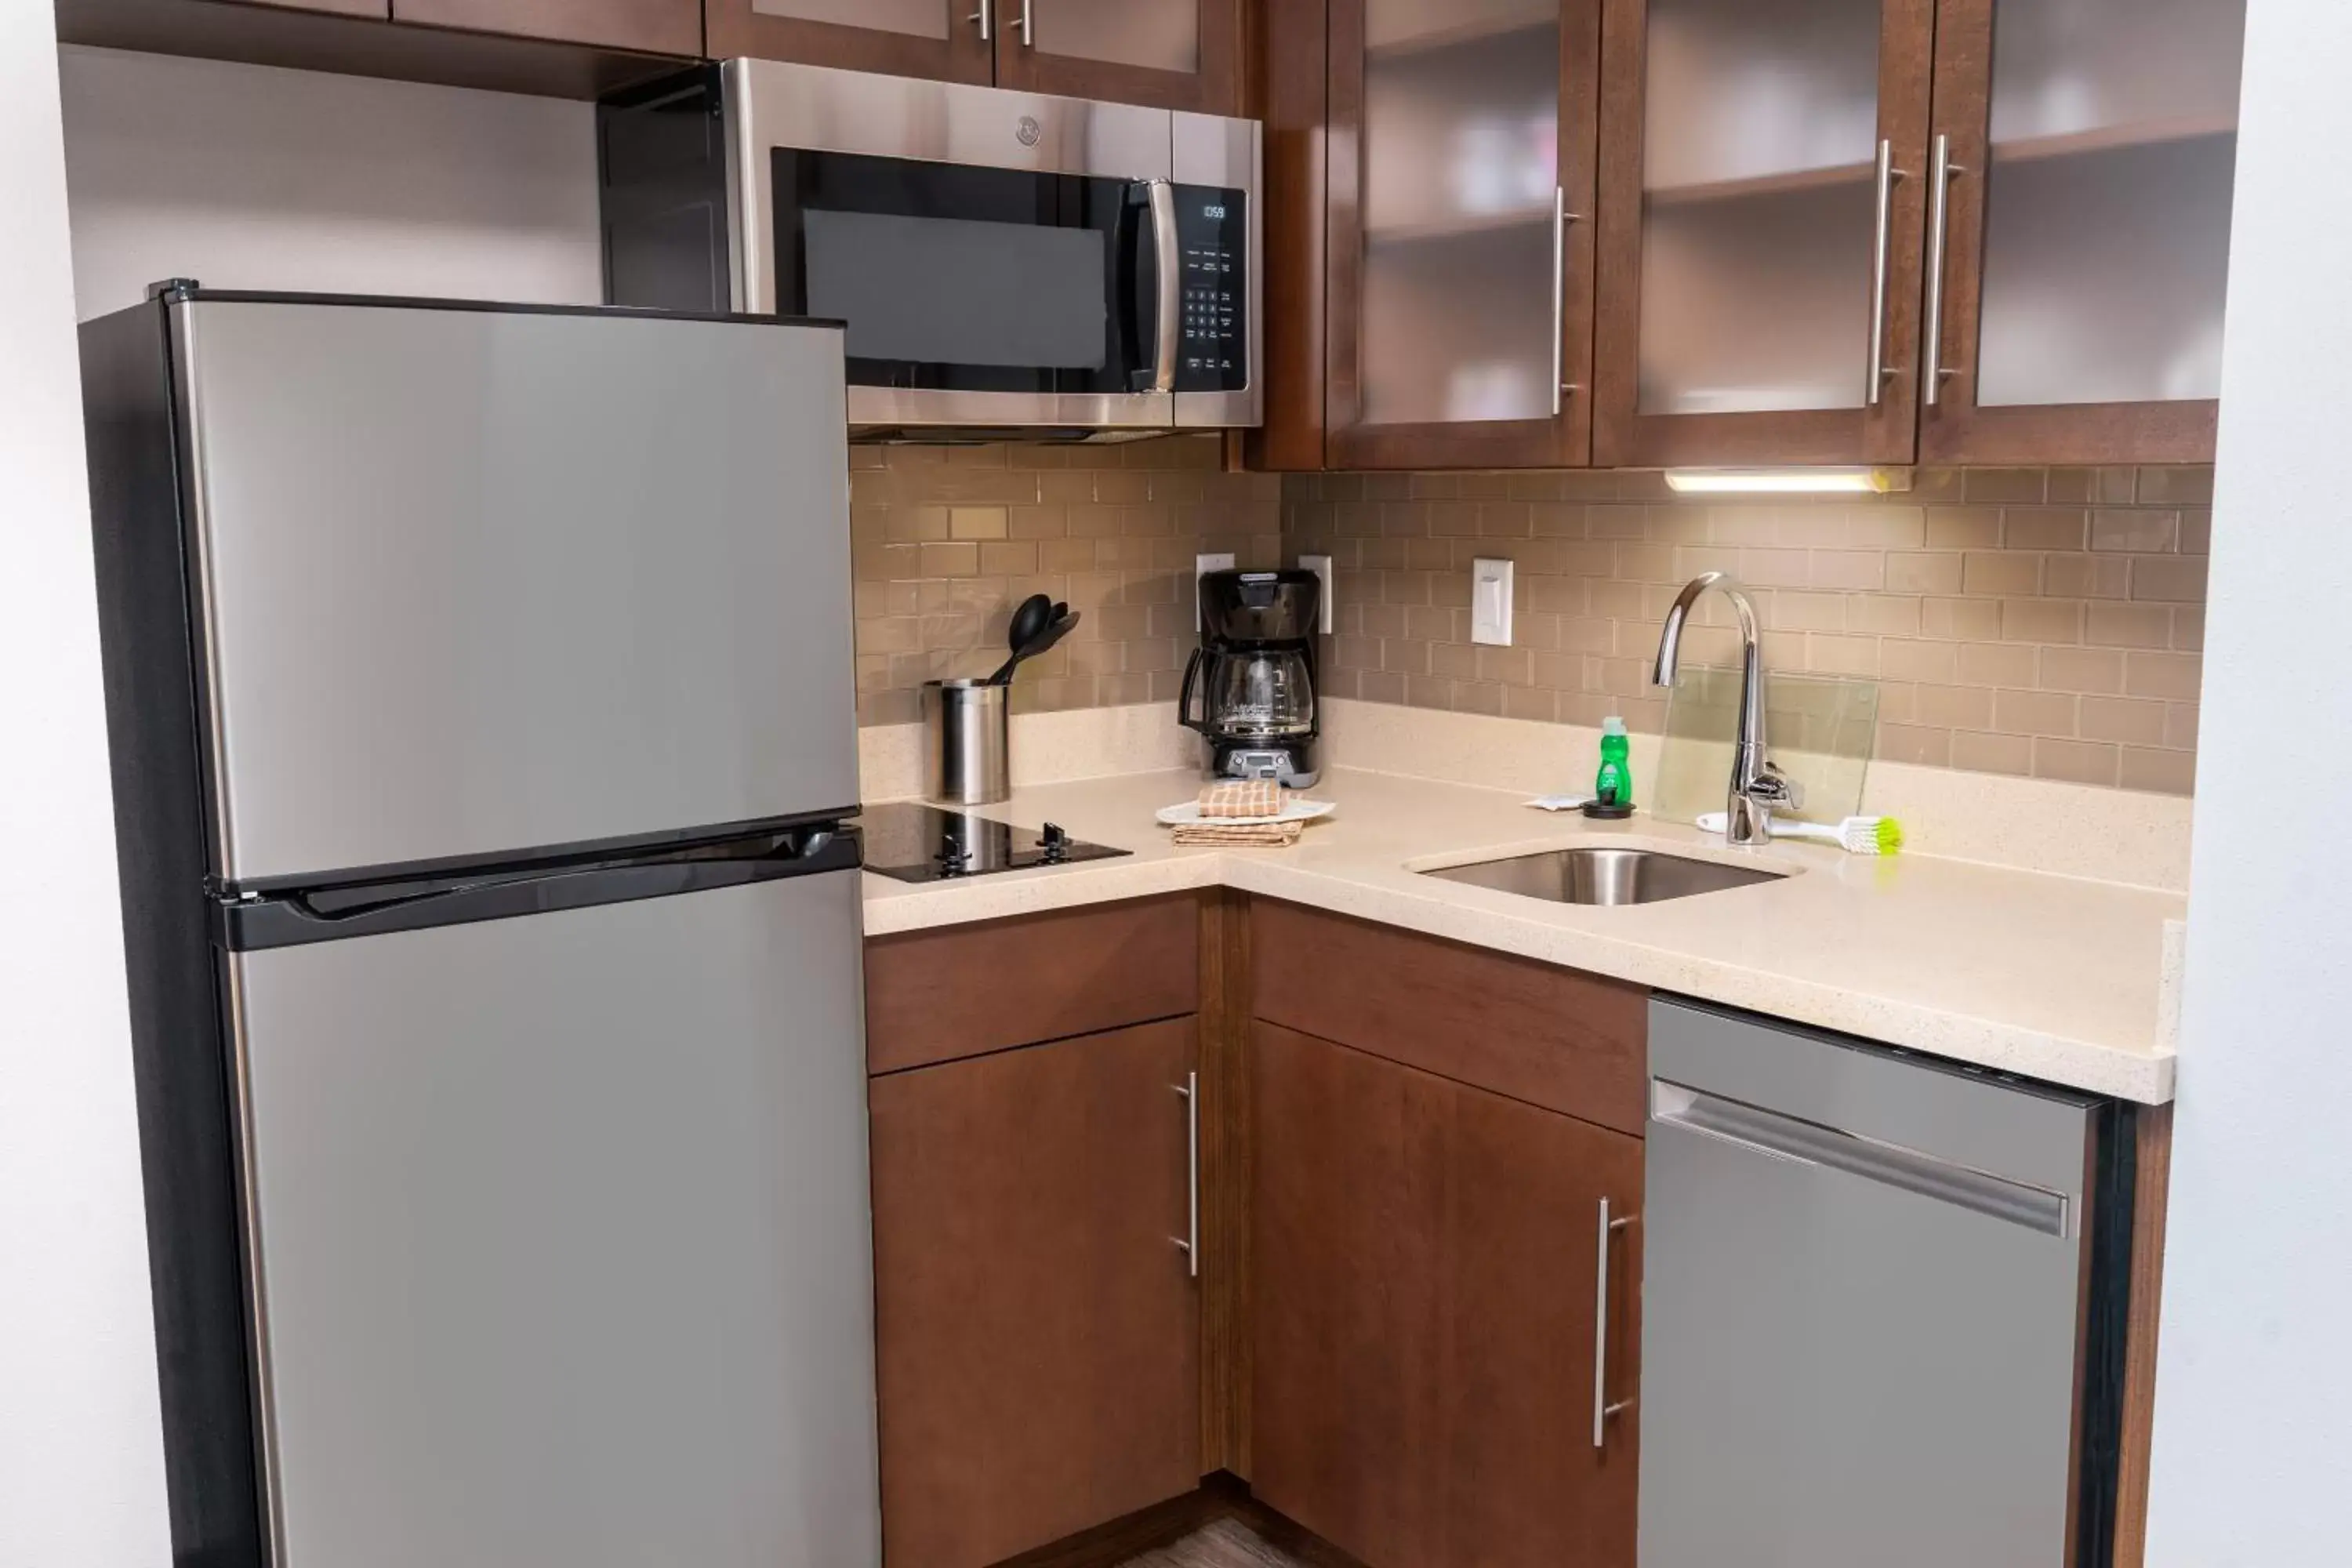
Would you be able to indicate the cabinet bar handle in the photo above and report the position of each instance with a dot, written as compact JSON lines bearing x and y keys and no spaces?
{"x":1931,"y":379}
{"x":1558,"y":296}
{"x":1880,"y":244}
{"x":986,"y":18}
{"x":1190,"y":1241}
{"x":1601,"y":1409}
{"x":1028,"y":39}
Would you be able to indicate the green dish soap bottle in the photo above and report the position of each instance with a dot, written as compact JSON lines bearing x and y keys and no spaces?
{"x":1612,"y":787}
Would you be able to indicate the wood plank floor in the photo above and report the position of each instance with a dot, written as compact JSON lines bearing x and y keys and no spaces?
{"x":1220,"y":1543}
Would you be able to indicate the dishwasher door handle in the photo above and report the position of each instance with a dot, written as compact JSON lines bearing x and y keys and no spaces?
{"x":1781,"y":1137}
{"x":1601,"y":1409}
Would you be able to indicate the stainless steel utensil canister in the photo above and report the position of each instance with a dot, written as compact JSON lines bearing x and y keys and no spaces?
{"x":966,"y":748}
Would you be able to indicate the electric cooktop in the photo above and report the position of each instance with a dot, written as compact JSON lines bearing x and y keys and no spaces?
{"x":924,"y":844}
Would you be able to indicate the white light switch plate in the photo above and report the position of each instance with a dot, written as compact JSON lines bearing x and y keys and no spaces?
{"x":1321,"y":566}
{"x":1490,"y":602}
{"x":1201,"y":566}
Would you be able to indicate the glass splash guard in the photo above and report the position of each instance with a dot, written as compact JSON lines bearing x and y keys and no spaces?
{"x":1819,"y":730}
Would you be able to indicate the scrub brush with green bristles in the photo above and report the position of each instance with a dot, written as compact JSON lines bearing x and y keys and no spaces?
{"x":1855,"y":834}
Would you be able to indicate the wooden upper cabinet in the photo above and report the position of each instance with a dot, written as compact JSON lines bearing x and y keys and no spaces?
{"x":942,"y":39}
{"x":1170,"y":54}
{"x":2088,"y":148}
{"x":1460,"y":168}
{"x":649,"y":27}
{"x":379,"y":10}
{"x":1762,"y":221}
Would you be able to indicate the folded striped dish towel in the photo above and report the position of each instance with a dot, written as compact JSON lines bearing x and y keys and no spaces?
{"x":1241,"y":797}
{"x":1237,"y":835}
{"x":1221,"y":802}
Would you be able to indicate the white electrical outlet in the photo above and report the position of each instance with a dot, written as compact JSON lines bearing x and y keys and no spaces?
{"x":1490,"y":602}
{"x":1321,"y":566}
{"x":1201,"y":566}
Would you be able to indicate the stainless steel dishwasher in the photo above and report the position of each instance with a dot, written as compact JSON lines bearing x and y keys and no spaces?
{"x":1882,"y":1303}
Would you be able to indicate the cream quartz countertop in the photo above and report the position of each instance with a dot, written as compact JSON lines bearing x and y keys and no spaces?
{"x":2049,"y":977}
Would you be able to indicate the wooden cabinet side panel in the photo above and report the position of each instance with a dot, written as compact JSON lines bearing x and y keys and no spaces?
{"x":958,"y":991}
{"x":1551,"y":1036}
{"x":1037,"y":1331}
{"x":1293,"y":38}
{"x":2151,"y":1193}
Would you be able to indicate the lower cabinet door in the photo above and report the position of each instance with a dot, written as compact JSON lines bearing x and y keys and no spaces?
{"x":1037,"y":1321}
{"x":1428,"y":1306}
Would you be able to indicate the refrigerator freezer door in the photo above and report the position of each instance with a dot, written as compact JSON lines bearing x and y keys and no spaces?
{"x":564,"y":1254}
{"x":476,"y":583}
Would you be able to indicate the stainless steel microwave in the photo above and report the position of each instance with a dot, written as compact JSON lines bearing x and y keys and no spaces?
{"x":1007,"y":263}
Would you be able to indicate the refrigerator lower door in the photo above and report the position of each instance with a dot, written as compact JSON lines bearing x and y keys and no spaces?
{"x":562,"y":1242}
{"x":475,"y":584}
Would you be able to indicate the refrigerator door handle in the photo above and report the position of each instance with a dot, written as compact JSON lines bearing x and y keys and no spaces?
{"x":334,"y":914}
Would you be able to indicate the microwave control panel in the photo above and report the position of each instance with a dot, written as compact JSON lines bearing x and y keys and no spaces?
{"x":1213,"y":346}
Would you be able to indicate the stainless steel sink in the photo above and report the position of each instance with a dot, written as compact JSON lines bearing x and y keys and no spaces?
{"x":1605,"y":876}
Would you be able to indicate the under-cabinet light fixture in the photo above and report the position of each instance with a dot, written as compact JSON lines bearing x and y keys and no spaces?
{"x":1787,"y":481}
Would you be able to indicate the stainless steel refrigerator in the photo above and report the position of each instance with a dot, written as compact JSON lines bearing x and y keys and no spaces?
{"x":480,"y":697}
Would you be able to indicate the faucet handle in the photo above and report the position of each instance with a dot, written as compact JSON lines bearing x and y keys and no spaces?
{"x":1774,"y":788}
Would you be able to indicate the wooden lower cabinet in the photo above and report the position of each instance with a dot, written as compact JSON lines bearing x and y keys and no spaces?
{"x":1425,"y":1258}
{"x":1037,"y":1329}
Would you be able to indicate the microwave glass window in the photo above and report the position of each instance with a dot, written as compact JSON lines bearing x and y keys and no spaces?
{"x":956,"y":291}
{"x":969,"y":279}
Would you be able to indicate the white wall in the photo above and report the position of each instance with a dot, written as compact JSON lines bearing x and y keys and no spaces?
{"x":2254,"y":1435}
{"x":82,"y":1478}
{"x":252,"y":177}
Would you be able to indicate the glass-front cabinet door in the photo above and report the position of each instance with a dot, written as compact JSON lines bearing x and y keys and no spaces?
{"x":1458,"y":328}
{"x":1761,"y":206}
{"x":942,"y":39}
{"x":1170,"y":54}
{"x":2078,"y":252}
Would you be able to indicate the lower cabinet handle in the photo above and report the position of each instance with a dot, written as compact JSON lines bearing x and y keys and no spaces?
{"x":985,"y":16}
{"x":1190,"y":1241}
{"x":1601,"y":1409}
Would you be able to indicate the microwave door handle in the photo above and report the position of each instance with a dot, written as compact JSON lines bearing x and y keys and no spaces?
{"x":1161,"y":196}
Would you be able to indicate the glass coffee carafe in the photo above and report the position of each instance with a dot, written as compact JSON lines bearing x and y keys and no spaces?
{"x":1251,"y":694}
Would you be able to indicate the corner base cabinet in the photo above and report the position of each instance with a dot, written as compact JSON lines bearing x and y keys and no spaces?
{"x":1433,"y":1330}
{"x":1037,"y":1326}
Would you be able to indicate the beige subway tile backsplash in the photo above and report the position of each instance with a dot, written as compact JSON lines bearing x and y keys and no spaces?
{"x":945,"y":540}
{"x":2029,"y":621}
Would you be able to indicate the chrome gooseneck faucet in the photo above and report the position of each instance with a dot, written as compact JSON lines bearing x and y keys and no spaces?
{"x":1757,"y":786}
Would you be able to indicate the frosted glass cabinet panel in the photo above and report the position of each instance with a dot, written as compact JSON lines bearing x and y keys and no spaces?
{"x":1166,"y":54}
{"x":1156,"y":34}
{"x":2086,"y":227}
{"x":937,"y":39}
{"x":1759,"y":143}
{"x":1172,"y":54}
{"x":918,"y":18}
{"x":1760,"y":211}
{"x":1467,"y":125}
{"x":2108,"y":213}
